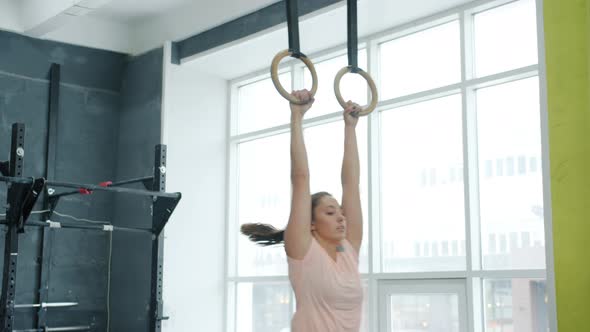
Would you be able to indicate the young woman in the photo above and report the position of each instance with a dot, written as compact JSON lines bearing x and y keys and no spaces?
{"x":323,"y":238}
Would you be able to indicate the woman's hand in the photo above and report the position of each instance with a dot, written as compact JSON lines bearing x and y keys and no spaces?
{"x":351,"y":114}
{"x":304,"y":96}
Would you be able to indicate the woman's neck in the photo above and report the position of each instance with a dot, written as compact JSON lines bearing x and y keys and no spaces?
{"x":332,"y":247}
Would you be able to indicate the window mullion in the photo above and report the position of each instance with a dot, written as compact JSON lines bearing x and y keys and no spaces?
{"x":470,"y":176}
{"x":374,"y":176}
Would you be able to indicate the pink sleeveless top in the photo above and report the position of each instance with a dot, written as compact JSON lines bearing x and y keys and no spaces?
{"x":328,"y":293}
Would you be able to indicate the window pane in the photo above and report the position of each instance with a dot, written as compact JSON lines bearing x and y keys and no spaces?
{"x":511,"y":188}
{"x":505,"y":38}
{"x":425,"y":312}
{"x":421,"y":61}
{"x":264,"y":197}
{"x":325,"y":147}
{"x":422,"y":187}
{"x":515,"y":305}
{"x":261,"y":106}
{"x":264,"y":307}
{"x":352,"y":87}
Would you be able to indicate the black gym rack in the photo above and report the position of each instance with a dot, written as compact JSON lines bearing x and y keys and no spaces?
{"x":23,"y":193}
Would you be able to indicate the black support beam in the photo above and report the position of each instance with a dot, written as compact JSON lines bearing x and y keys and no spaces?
{"x":244,"y":26}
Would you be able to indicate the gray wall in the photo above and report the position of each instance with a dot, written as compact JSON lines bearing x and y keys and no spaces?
{"x":108,"y":125}
{"x":139,"y":132}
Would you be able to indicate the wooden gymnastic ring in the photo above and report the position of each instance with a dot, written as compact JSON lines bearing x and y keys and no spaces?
{"x":274,"y":69}
{"x":372,"y":86}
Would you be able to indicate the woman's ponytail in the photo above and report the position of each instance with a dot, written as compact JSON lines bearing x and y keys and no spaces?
{"x":263,"y":234}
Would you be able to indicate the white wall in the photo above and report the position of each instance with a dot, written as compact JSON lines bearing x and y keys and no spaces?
{"x":194,"y":129}
{"x":10,"y":16}
{"x":91,"y":32}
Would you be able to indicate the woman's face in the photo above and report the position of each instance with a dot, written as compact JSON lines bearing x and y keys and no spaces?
{"x":328,"y":221}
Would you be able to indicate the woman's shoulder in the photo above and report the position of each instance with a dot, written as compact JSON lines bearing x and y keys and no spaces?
{"x":308,"y":253}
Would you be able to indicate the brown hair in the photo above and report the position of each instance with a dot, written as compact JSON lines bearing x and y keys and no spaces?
{"x":267,"y":235}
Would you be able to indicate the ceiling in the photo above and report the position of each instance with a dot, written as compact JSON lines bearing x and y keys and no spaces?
{"x":136,"y":11}
{"x":136,"y":26}
{"x":128,"y":26}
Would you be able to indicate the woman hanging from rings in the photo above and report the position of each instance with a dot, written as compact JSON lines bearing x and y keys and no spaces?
{"x":323,"y":238}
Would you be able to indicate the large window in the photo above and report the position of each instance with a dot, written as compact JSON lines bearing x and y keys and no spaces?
{"x":420,"y":61}
{"x":422,"y":213}
{"x":510,"y":183}
{"x":451,"y":179}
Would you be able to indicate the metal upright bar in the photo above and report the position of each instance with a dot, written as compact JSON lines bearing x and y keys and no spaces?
{"x":156,"y":303}
{"x":13,"y":216}
{"x":50,"y":162}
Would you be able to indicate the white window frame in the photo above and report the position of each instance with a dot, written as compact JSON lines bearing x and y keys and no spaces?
{"x":473,"y":276}
{"x":414,"y":287}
